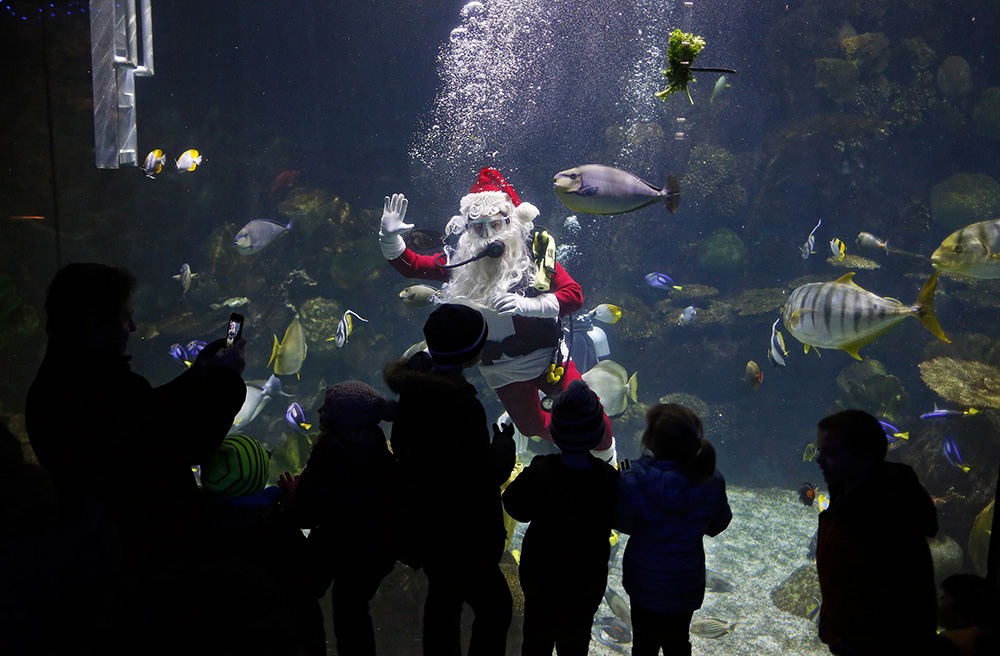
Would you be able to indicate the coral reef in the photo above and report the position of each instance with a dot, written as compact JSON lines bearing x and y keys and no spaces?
{"x":869,"y":51}
{"x":852,"y":261}
{"x":723,"y":253}
{"x":954,"y":77}
{"x":965,"y":382}
{"x":838,"y":78}
{"x":753,"y":302}
{"x":869,"y":386}
{"x":964,"y":198}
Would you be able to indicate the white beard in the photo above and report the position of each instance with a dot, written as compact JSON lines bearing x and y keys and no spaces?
{"x":483,"y":282}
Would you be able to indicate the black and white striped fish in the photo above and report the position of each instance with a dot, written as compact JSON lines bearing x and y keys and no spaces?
{"x":842,"y":315}
{"x":809,"y":247}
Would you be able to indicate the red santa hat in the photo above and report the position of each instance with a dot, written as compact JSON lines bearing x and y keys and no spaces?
{"x":491,"y":187}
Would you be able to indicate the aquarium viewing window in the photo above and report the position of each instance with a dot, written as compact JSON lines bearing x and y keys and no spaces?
{"x":115,"y":62}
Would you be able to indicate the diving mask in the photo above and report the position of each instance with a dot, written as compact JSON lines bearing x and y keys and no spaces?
{"x":486,"y":221}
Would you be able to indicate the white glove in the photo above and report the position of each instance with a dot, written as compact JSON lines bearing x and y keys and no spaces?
{"x":390,"y":232}
{"x":545,"y":306}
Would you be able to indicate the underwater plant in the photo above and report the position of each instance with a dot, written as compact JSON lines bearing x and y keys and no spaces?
{"x":682,"y":48}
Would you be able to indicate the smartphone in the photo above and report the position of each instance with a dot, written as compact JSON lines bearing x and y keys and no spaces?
{"x":235,"y":328}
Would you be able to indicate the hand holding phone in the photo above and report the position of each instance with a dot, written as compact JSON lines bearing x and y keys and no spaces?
{"x":235,"y":329}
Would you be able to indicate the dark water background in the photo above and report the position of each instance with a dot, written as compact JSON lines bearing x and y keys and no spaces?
{"x":345,"y":92}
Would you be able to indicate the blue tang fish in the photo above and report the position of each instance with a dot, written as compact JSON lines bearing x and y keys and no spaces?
{"x":599,"y":189}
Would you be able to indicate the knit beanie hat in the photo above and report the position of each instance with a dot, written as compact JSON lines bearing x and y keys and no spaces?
{"x":351,"y":404}
{"x":577,"y":418}
{"x":455,"y":334}
{"x":237,"y":469}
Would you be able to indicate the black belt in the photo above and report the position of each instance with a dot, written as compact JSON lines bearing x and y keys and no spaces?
{"x":545,"y":335}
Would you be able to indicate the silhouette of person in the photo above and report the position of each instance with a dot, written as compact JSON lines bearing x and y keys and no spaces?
{"x":118,"y":448}
{"x":438,"y":413}
{"x":872,"y":555}
{"x":671,"y":498}
{"x":569,"y":499}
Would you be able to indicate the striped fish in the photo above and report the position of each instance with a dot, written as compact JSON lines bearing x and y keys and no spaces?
{"x":711,"y":627}
{"x":842,"y":315}
{"x":973,"y":251}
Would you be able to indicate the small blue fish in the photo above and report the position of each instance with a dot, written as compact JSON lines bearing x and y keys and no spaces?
{"x":809,"y":247}
{"x":951,"y":453}
{"x":194,"y":347}
{"x":940,"y":413}
{"x":179,"y":353}
{"x":295,"y":417}
{"x":892,"y":433}
{"x":687,"y":316}
{"x":255,"y":235}
{"x":661,"y":280}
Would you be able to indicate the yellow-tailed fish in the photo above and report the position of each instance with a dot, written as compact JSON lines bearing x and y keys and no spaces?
{"x":822,"y":502}
{"x":154,"y":163}
{"x":838,"y":249}
{"x":973,"y":251}
{"x":346,"y":327}
{"x":189,"y":160}
{"x":606,"y":313}
{"x":288,"y":354}
{"x":842,"y":315}
{"x":868,"y":240}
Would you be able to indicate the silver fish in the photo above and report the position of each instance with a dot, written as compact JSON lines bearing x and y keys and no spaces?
{"x":259,"y":394}
{"x":868,"y":240}
{"x":155,"y":161}
{"x":777,"y":352}
{"x":255,"y":235}
{"x":720,"y":86}
{"x":842,"y":315}
{"x":710,"y":627}
{"x":618,"y":606}
{"x":419,"y":295}
{"x":809,"y":247}
{"x":687,"y":316}
{"x":185,"y":276}
{"x":599,"y":189}
{"x":616,"y":629}
{"x":716,"y":582}
{"x":233,"y":302}
{"x":612,"y":384}
{"x":972,"y":251}
{"x":346,"y":327}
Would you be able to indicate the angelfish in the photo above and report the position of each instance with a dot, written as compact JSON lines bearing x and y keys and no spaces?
{"x":346,"y":327}
{"x":842,"y":315}
{"x":809,"y":247}
{"x":599,"y":189}
{"x":189,"y":160}
{"x":288,"y":354}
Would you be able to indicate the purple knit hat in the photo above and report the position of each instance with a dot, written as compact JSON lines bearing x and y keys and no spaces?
{"x":351,"y":404}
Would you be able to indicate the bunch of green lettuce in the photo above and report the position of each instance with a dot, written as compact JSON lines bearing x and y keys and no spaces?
{"x":681,"y":51}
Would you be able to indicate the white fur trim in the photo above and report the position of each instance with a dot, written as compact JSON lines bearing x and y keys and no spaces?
{"x":482,"y":198}
{"x":608,"y":455}
{"x":526,"y":212}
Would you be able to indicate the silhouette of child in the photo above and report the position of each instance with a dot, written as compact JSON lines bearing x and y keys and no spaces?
{"x":346,"y":496}
{"x":569,"y":499}
{"x":871,"y":550}
{"x":671,"y":497}
{"x":452,"y":502}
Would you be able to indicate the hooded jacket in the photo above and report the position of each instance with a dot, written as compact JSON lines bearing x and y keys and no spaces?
{"x":450,"y":471}
{"x":872,"y":558}
{"x":666,"y":513}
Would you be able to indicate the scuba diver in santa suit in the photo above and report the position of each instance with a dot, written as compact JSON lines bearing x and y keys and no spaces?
{"x":497,"y":262}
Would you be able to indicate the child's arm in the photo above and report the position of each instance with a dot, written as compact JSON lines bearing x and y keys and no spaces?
{"x":503,"y":452}
{"x":722,"y":517}
{"x":519,"y":494}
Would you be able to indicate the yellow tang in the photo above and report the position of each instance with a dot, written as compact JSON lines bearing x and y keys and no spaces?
{"x":842,"y":315}
{"x":288,"y":355}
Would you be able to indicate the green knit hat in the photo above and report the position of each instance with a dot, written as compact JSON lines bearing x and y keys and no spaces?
{"x":237,"y":469}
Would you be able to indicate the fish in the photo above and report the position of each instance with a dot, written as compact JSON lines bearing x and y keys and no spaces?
{"x":661,"y":280}
{"x":711,"y":627}
{"x":599,"y":189}
{"x":414,"y":349}
{"x":941,"y":413}
{"x":752,"y":375}
{"x":812,"y":611}
{"x":189,"y":160}
{"x":295,"y":417}
{"x":777,"y":352}
{"x":809,"y":247}
{"x":868,"y":240}
{"x":613,"y":386}
{"x":809,"y":454}
{"x":892,"y":433}
{"x":807,"y":493}
{"x":259,"y":394}
{"x":950,"y":449}
{"x":617,"y":629}
{"x":233,"y":302}
{"x":180,"y":354}
{"x":838,"y":249}
{"x":618,"y":606}
{"x":606,"y":313}
{"x":194,"y":347}
{"x":687,"y":316}
{"x":419,"y":295}
{"x":288,"y":355}
{"x":425,"y":242}
{"x":842,"y":315}
{"x":185,"y":276}
{"x":257,"y":234}
{"x":973,"y":251}
{"x":822,"y":501}
{"x":346,"y":327}
{"x":716,"y":582}
{"x":720,"y":86}
{"x":155,"y":161}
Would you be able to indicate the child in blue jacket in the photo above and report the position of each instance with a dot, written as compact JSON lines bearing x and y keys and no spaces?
{"x":670,"y":498}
